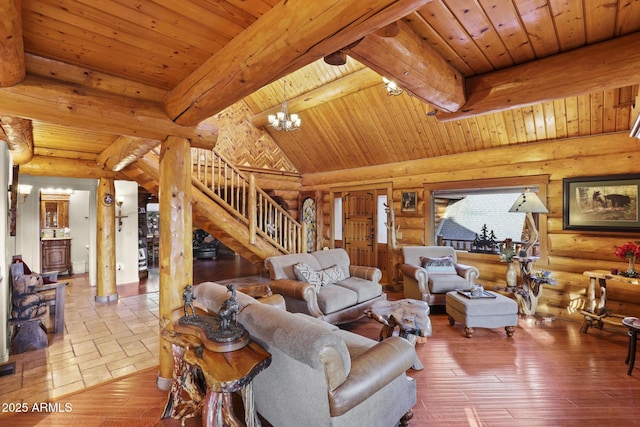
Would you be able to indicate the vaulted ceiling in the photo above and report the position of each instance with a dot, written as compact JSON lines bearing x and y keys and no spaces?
{"x":102,"y":81}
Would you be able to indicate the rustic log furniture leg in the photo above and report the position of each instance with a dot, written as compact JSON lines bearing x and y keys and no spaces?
{"x":586,"y":324}
{"x":217,"y":411}
{"x":250,"y":414}
{"x":184,"y":381}
{"x":386,"y":331}
{"x":468,"y":332}
{"x":412,"y":338}
{"x":631,"y":354}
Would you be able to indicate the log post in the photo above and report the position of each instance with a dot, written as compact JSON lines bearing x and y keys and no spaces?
{"x":176,"y":253}
{"x":252,"y":212}
{"x":106,"y":252}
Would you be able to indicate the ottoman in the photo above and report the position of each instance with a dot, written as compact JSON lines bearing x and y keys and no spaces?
{"x":482,"y":312}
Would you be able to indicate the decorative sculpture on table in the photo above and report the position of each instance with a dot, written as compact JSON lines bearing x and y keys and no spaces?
{"x":188,"y":297}
{"x":229,"y":311}
{"x":219,"y":333}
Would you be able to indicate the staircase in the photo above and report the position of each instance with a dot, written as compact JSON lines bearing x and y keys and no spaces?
{"x":228,"y":205}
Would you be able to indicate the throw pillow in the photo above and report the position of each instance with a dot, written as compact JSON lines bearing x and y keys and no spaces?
{"x":442,"y":265}
{"x":333,"y":274}
{"x":305,"y":273}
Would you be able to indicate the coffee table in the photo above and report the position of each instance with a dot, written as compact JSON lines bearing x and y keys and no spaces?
{"x":409,"y":315}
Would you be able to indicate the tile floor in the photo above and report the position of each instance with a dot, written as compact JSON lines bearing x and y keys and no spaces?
{"x":101,"y":342}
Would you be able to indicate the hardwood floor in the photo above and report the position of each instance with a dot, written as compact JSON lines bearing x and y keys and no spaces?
{"x":548,"y":374}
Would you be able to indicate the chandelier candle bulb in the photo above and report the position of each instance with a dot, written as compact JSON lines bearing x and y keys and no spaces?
{"x":282,"y":120}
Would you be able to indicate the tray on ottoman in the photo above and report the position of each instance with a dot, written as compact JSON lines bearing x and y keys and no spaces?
{"x":469,"y":294}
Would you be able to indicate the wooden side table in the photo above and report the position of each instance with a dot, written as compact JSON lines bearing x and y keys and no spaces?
{"x":224,"y":373}
{"x":596,"y":314}
{"x":409,"y":315}
{"x":526,"y":292}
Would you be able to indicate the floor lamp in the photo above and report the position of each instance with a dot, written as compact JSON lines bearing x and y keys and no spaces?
{"x":529,"y":203}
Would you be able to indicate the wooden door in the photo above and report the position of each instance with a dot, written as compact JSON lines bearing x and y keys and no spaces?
{"x":358,"y":227}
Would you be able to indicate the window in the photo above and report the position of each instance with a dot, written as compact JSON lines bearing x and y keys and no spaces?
{"x":337,"y":218}
{"x":464,"y":211}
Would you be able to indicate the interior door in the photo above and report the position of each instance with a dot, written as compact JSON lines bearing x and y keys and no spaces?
{"x":358,"y":227}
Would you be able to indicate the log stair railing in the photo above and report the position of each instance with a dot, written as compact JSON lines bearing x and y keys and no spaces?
{"x":230,"y":206}
{"x":238,"y":193}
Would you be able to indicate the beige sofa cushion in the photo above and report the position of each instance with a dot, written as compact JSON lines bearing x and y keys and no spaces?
{"x":332,"y":298}
{"x":364,"y":289}
{"x":440,"y":284}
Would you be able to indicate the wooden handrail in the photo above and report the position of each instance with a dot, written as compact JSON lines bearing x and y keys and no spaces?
{"x":238,"y":194}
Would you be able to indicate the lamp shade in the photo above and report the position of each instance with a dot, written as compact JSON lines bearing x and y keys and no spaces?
{"x":528,"y":202}
{"x":24,"y":189}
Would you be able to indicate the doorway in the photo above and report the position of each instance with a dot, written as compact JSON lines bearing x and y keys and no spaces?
{"x":358,"y":225}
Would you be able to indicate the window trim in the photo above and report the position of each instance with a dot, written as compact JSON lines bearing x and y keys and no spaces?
{"x":539,"y":181}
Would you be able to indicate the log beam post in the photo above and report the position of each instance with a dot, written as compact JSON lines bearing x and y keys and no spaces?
{"x":176,"y":254}
{"x":423,"y":72}
{"x":18,"y":133}
{"x":106,"y":290}
{"x":12,"y":66}
{"x":235,"y":71}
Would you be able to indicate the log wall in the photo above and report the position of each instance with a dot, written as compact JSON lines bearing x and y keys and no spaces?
{"x":569,"y":252}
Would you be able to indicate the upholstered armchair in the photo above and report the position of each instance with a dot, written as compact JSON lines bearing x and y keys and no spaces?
{"x":429,"y":272}
{"x":321,"y":375}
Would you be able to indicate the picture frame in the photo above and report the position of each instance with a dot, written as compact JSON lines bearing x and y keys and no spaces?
{"x":409,"y":202}
{"x":601,"y":203}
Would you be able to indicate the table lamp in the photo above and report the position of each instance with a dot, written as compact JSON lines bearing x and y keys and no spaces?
{"x":529,"y":203}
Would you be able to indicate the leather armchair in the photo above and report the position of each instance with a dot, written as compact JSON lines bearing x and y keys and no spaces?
{"x":419,"y":284}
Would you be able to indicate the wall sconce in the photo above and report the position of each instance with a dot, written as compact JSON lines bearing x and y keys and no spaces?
{"x":24,"y":190}
{"x":119,"y":202}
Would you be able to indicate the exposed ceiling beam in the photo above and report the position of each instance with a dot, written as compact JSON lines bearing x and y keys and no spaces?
{"x":19,"y":137}
{"x":292,"y":34}
{"x":124,"y":151}
{"x":67,"y":168}
{"x":12,"y":68}
{"x":346,"y":85}
{"x":65,"y":104}
{"x":606,"y":65}
{"x":85,"y":77}
{"x":55,"y":152}
{"x":397,"y":53}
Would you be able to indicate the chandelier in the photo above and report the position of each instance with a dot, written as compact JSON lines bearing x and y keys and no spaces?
{"x":392,"y":87}
{"x":282,"y":120}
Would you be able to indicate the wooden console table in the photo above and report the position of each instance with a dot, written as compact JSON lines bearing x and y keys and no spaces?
{"x":224,"y":373}
{"x":597,"y":315}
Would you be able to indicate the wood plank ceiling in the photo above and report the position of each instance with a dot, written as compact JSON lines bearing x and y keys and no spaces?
{"x":188,"y":60}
